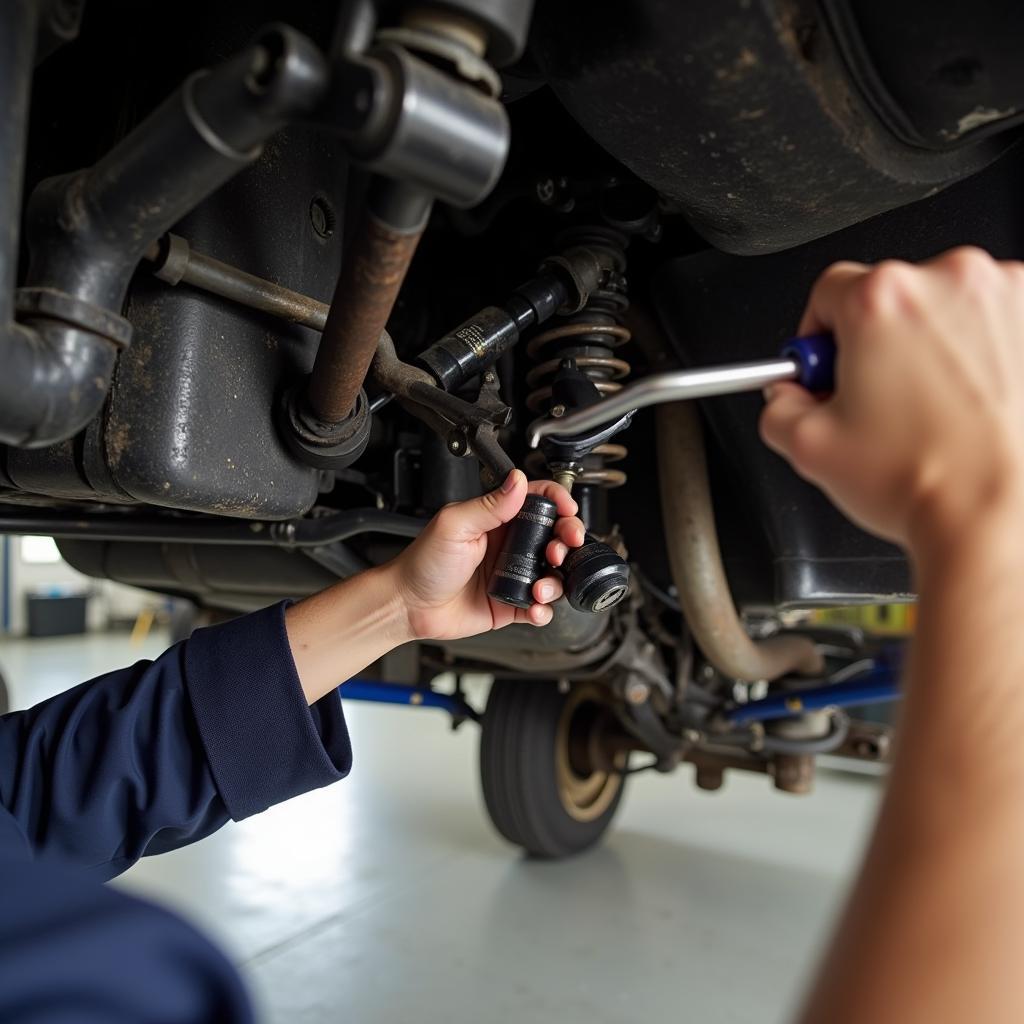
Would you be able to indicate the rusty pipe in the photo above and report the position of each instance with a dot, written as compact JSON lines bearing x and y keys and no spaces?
{"x":370,"y":279}
{"x":696,"y":561}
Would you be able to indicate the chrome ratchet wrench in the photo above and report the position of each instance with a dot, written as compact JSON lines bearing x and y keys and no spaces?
{"x":810,"y":361}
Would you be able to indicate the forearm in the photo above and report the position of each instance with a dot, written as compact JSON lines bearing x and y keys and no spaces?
{"x":931,"y":930}
{"x":155,"y":756}
{"x":338,"y":632}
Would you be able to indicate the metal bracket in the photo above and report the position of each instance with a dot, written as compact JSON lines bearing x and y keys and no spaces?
{"x":404,"y":118}
{"x":469,"y":428}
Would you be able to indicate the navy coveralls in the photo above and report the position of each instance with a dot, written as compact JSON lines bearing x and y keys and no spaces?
{"x":132,"y":763}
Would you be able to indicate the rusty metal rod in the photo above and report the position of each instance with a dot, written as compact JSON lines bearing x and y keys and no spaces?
{"x":371,"y":276}
{"x":177,"y":263}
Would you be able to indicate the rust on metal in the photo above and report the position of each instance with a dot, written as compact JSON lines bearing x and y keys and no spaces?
{"x":793,"y":773}
{"x":255,"y":292}
{"x":212,"y":275}
{"x":370,"y":279}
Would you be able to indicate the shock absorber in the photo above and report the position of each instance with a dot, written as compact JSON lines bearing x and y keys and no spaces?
{"x":577,"y":366}
{"x":584,"y":344}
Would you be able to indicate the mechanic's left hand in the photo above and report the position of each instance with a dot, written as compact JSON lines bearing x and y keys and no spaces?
{"x":442,"y":577}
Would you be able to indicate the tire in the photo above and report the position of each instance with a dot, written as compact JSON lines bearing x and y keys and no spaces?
{"x":537,"y":794}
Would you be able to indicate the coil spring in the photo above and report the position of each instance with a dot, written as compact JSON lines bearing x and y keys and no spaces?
{"x":590,"y":337}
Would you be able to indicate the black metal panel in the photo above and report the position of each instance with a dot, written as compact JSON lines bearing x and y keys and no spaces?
{"x":190,"y":423}
{"x":939,"y":73}
{"x":744,"y":113}
{"x":237,"y":579}
{"x":444,"y":477}
{"x":719,"y":308}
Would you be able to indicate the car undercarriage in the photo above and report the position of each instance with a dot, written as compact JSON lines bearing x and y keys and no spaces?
{"x":280,"y":281}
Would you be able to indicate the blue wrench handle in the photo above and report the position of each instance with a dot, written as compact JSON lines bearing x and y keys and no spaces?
{"x":815,"y":354}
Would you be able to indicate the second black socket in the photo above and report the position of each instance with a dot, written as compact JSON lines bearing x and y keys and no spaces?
{"x":521,"y":559}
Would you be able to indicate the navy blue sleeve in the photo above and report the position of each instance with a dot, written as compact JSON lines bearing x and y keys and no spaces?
{"x":156,"y":756}
{"x":75,"y":952}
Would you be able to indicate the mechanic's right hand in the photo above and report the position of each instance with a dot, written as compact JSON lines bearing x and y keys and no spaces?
{"x":924,"y":436}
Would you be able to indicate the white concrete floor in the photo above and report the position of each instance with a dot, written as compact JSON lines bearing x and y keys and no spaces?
{"x":388,"y":898}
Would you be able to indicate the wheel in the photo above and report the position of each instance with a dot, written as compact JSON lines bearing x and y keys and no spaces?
{"x":544,"y":765}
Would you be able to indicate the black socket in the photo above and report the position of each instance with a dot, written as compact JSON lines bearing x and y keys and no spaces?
{"x":595,"y":577}
{"x":521,"y":559}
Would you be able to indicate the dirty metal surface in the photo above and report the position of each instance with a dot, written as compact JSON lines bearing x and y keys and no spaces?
{"x":744,"y":114}
{"x":190,"y":423}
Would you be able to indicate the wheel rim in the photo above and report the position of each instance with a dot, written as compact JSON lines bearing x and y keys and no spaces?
{"x":585,"y":788}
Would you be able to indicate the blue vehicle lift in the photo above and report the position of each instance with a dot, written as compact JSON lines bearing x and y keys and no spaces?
{"x":876,"y":683}
{"x":415,"y":696}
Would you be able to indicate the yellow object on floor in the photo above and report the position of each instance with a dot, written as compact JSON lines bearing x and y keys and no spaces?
{"x":876,"y":619}
{"x":143,"y":624}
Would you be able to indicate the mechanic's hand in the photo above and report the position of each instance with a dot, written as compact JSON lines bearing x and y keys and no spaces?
{"x":443,"y":575}
{"x":924,"y":436}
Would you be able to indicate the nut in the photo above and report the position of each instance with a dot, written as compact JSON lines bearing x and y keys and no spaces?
{"x":637,"y":691}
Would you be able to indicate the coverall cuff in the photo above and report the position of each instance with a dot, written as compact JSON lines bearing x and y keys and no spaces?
{"x":263,"y":742}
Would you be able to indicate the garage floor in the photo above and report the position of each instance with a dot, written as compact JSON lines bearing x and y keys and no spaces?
{"x":388,"y":898}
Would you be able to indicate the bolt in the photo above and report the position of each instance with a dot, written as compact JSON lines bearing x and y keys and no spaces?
{"x":322,"y":217}
{"x":488,"y":378}
{"x":637,"y":691}
{"x":756,"y":737}
{"x":564,"y":477}
{"x":709,"y":777}
{"x":866,"y":749}
{"x":557,"y":411}
{"x":546,"y":190}
{"x":456,"y":446}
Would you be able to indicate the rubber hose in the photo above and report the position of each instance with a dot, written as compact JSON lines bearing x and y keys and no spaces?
{"x":696,"y":562}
